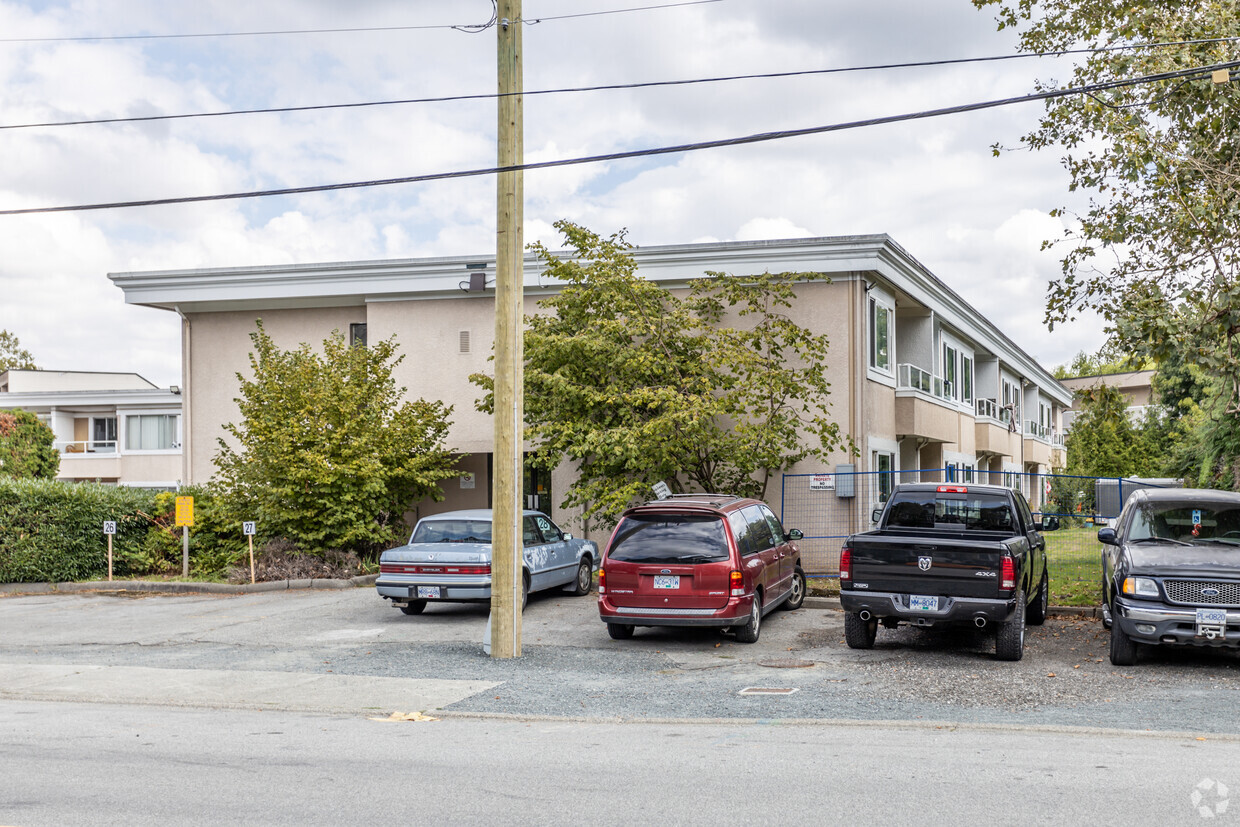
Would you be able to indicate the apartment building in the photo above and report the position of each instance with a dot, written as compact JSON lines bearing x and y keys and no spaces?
{"x":113,"y":428}
{"x":920,"y":380}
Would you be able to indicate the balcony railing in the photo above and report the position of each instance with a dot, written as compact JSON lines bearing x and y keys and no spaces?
{"x":991,"y":409}
{"x":912,"y":377}
{"x":85,"y":446}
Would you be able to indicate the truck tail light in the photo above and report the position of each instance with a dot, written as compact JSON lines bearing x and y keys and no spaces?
{"x":953,"y":489}
{"x":602,"y":582}
{"x":737,"y":582}
{"x":1008,"y":577}
{"x":845,"y":564}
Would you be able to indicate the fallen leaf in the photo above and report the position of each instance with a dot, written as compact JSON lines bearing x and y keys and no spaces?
{"x":1050,"y":674}
{"x":406,"y":716}
{"x":1078,"y":666}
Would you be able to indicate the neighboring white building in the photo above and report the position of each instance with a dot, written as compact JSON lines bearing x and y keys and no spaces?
{"x":110,"y":427}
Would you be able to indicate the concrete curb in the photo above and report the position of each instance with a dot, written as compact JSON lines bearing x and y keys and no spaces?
{"x":176,"y":587}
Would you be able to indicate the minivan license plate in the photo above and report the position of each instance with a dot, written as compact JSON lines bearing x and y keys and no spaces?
{"x":662,"y":581}
{"x":923,"y":604}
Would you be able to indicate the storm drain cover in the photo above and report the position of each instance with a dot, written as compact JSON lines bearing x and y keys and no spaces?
{"x":767,"y":690}
{"x":786,"y":663}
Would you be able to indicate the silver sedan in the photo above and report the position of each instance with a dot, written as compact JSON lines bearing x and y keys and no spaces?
{"x":448,"y":559}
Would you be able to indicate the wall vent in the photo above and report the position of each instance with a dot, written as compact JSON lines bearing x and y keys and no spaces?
{"x":464,"y":342}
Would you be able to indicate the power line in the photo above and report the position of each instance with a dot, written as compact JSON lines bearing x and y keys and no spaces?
{"x":464,"y":27}
{"x":640,"y":153}
{"x":612,"y":86}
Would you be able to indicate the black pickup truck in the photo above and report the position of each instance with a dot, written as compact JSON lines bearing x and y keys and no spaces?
{"x":948,"y":554}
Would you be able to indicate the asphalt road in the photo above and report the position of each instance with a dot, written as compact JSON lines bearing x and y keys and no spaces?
{"x":71,"y":763}
{"x":348,"y":652}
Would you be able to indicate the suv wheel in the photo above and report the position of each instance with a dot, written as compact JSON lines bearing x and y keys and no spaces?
{"x":1010,"y":637}
{"x":1037,"y":612}
{"x":749,"y":632}
{"x":619,"y":631}
{"x":1123,"y":648}
{"x":858,"y":633}
{"x":797,"y":596}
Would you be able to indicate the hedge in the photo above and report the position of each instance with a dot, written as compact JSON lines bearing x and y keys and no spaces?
{"x":53,"y":531}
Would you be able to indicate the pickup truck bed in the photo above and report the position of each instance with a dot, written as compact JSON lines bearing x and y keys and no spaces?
{"x":947,"y":554}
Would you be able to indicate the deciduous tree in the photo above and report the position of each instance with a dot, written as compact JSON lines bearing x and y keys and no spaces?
{"x":27,"y":446}
{"x":328,"y":452}
{"x":12,"y":355}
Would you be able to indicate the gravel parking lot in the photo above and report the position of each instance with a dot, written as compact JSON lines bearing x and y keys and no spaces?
{"x":570,"y":667}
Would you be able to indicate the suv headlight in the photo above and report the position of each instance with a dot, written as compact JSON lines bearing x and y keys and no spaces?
{"x":1140,"y":587}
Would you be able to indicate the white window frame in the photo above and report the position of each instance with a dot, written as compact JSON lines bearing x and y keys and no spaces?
{"x":959,"y":354}
{"x":123,"y":429}
{"x":879,"y":300}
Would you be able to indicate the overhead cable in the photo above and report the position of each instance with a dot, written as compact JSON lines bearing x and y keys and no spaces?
{"x":641,"y":153}
{"x":604,"y":87}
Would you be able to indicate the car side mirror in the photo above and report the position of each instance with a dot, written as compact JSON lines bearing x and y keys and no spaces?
{"x":876,"y":515}
{"x":1047,"y":524}
{"x":795,"y":534}
{"x":567,"y":536}
{"x":1107,"y":535}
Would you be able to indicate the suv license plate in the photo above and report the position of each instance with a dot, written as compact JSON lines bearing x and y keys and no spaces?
{"x":428,"y":591}
{"x":923,"y":604}
{"x":1211,"y":622}
{"x":662,"y":581}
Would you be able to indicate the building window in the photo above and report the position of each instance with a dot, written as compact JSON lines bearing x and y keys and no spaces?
{"x":966,"y":379}
{"x":884,"y":465}
{"x":357,"y":334}
{"x":103,"y":434}
{"x":880,"y":336}
{"x":151,"y":432}
{"x":949,"y":372}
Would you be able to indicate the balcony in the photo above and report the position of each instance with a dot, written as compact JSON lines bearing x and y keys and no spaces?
{"x":85,"y":446}
{"x":924,"y":406}
{"x":911,"y":377}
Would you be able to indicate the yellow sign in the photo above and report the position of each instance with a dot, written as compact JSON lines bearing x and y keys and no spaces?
{"x":185,"y":512}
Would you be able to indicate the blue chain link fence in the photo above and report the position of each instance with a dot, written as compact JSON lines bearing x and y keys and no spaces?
{"x":828,"y":507}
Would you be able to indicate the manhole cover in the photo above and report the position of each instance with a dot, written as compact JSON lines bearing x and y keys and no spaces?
{"x":766,"y":690}
{"x":786,"y":663}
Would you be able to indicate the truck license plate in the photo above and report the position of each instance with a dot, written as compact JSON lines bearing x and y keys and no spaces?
{"x":428,"y":591}
{"x":923,"y":604}
{"x":1211,"y":622}
{"x":667,"y":582}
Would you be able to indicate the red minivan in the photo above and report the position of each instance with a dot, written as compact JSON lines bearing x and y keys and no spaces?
{"x":698,"y":560}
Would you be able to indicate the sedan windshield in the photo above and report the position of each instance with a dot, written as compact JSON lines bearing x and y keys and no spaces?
{"x":1185,"y":523}
{"x":670,"y":538}
{"x":452,"y":531}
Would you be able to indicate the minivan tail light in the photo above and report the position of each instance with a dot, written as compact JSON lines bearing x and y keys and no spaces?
{"x":845,"y":564}
{"x":1008,"y":579}
{"x":737,"y":581}
{"x":602,"y":582}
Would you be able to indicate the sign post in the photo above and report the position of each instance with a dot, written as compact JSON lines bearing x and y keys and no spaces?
{"x":247,"y":528}
{"x":109,"y":528}
{"x":185,"y":520}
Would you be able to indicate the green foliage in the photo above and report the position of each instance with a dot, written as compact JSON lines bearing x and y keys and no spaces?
{"x":1104,"y":442}
{"x":326,"y":453}
{"x":710,"y":391}
{"x":1157,"y":251}
{"x":12,"y":355}
{"x":53,"y":531}
{"x":216,"y":540}
{"x":27,"y":446}
{"x":1099,"y":364}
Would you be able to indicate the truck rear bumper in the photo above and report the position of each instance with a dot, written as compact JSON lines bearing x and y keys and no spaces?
{"x":951,"y":609}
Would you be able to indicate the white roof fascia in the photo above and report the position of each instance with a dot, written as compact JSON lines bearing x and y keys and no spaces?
{"x":160,"y":397}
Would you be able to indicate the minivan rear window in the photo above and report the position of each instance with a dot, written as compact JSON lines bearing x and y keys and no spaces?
{"x":670,"y":538}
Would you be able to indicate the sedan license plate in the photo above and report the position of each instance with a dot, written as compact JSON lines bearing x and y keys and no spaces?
{"x":662,"y":581}
{"x":428,"y":591}
{"x":1211,"y":622}
{"x":923,"y":604}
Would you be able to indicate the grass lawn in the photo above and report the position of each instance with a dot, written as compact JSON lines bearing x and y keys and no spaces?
{"x":1075,"y":566}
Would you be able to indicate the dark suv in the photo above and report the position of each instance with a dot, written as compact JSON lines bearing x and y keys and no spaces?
{"x":698,"y":560}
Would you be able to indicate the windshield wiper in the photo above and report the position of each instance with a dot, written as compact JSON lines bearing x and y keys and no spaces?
{"x":1160,"y":540}
{"x":1217,"y":540}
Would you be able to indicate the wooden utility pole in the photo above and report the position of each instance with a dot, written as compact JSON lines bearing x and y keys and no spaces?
{"x":506,"y":535}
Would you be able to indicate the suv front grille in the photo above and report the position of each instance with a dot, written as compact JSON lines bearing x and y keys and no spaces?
{"x":1190,"y":592}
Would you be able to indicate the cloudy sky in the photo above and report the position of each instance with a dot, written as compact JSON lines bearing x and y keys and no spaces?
{"x":975,"y":220}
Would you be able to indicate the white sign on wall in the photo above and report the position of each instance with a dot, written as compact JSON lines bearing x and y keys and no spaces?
{"x":467,"y":481}
{"x":822,"y":482}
